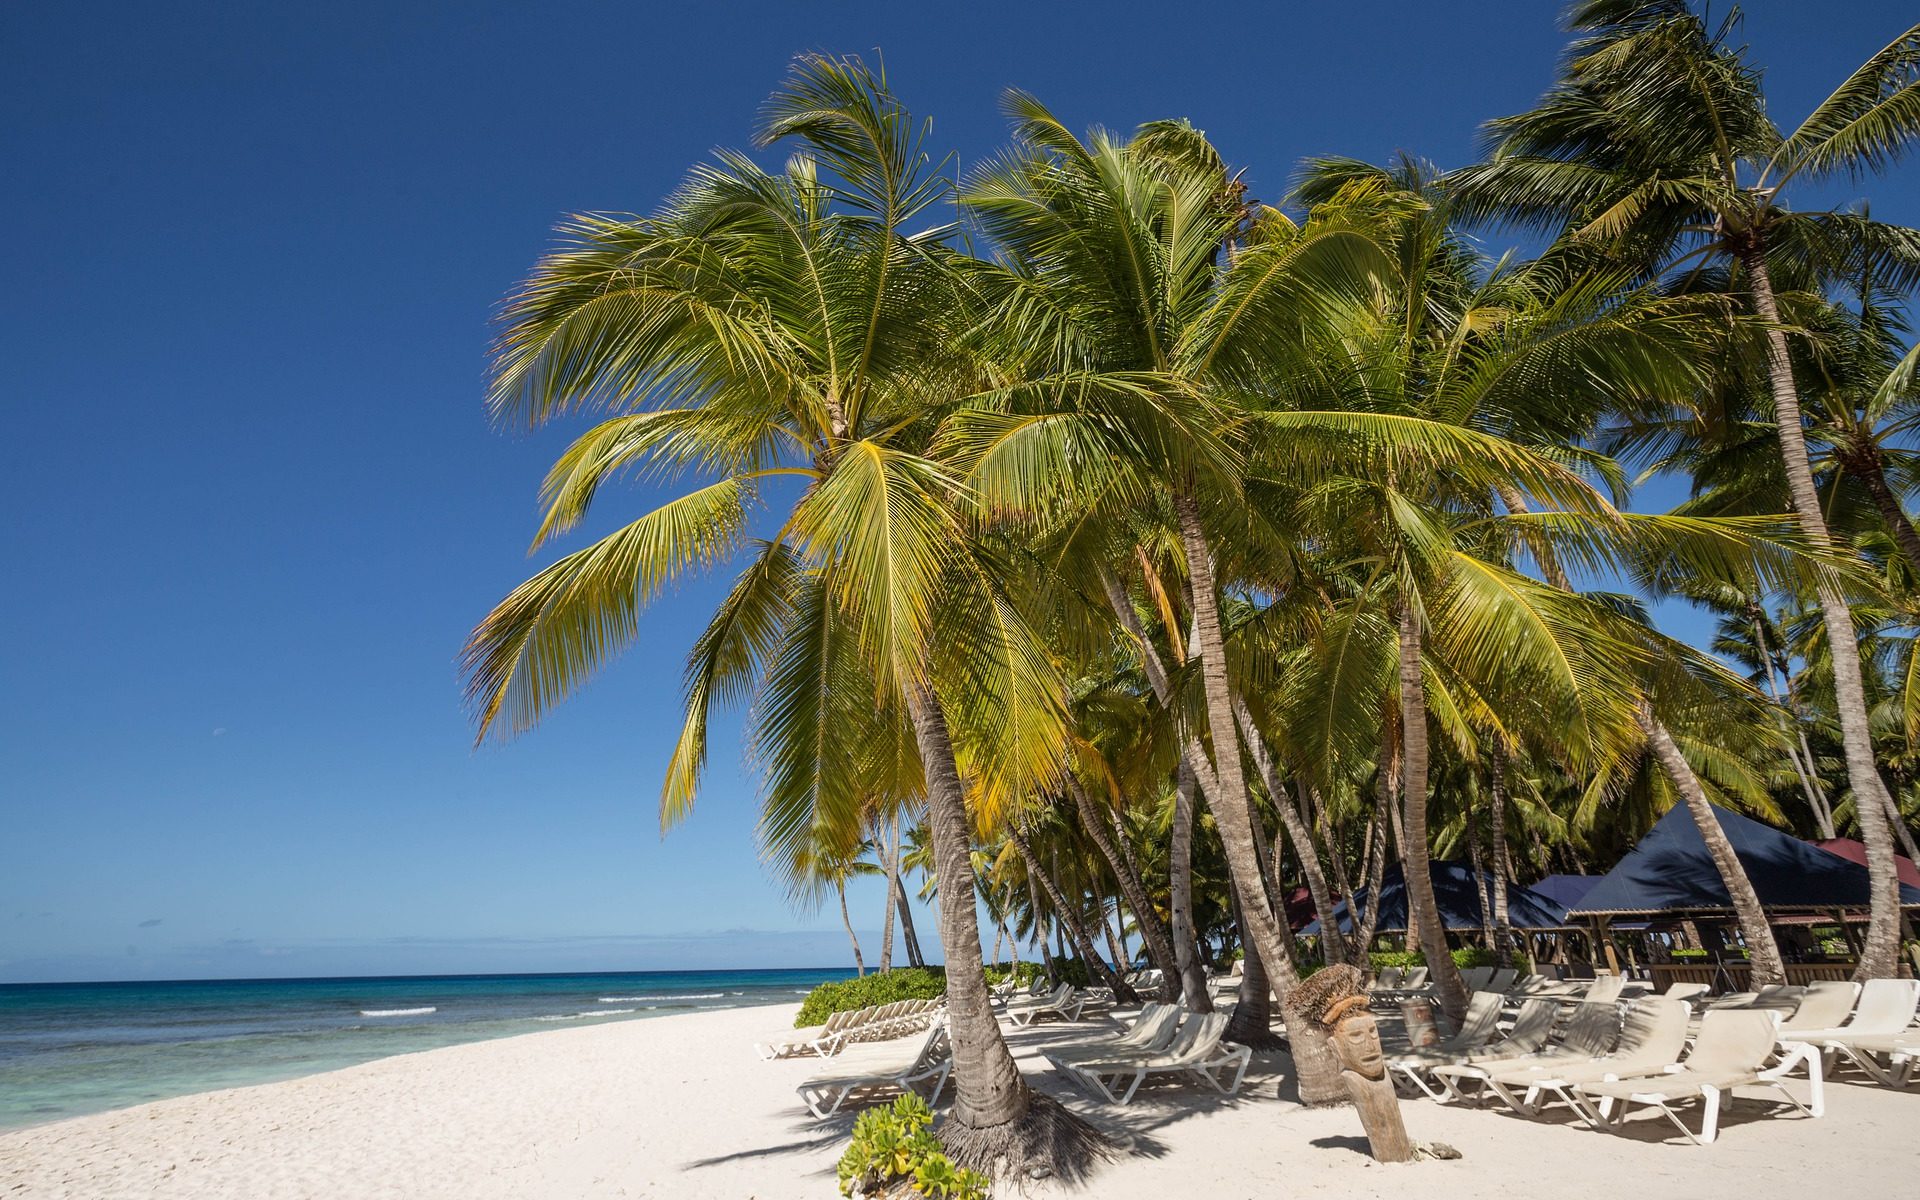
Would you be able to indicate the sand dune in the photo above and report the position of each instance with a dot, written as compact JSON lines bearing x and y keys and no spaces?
{"x":679,"y":1107}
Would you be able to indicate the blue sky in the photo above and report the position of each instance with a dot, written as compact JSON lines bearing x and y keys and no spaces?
{"x":252,"y":504}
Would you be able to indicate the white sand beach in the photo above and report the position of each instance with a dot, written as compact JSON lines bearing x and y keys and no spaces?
{"x":680,"y":1107}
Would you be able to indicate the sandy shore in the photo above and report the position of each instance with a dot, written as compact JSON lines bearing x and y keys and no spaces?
{"x":679,"y":1107}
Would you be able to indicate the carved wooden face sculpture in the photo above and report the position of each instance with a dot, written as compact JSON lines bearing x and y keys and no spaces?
{"x":1357,"y":1040}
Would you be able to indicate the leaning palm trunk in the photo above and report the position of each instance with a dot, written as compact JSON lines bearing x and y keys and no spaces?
{"x":1152,"y":930}
{"x":1193,"y":983}
{"x":997,"y":1123}
{"x":1252,"y":1020}
{"x":1315,"y":1065}
{"x":1879,"y":955}
{"x":908,"y":935}
{"x":1751,"y":917}
{"x":1423,"y":909}
{"x":859,"y":964}
{"x":1297,"y":832}
{"x":1069,"y":914}
{"x":1763,"y":952}
{"x":1866,"y":464}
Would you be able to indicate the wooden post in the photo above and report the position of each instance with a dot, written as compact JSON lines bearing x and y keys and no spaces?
{"x":1603,"y":942}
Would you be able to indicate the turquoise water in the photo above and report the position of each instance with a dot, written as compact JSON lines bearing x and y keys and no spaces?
{"x":73,"y":1048}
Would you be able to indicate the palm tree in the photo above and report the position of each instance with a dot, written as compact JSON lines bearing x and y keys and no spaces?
{"x":793,"y":328}
{"x":1656,"y":143}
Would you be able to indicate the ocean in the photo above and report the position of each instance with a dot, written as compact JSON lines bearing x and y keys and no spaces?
{"x":73,"y":1048}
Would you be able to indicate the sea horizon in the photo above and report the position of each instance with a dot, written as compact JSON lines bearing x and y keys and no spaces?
{"x":72,"y":1048}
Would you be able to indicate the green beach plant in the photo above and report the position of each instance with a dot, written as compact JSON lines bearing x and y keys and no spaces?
{"x":883,"y":987}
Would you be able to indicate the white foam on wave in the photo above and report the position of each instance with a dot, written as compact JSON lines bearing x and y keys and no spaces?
{"x":688,"y":996}
{"x":594,"y":1012}
{"x":398,"y":1012}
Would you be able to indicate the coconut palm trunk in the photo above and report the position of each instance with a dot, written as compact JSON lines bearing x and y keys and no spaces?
{"x":1252,"y":1021}
{"x":909,"y":936}
{"x":1762,"y":951}
{"x":1865,"y":463}
{"x":1752,"y":918}
{"x":1423,"y":908}
{"x":1193,"y":982}
{"x":1315,"y":1064}
{"x":1070,"y":921}
{"x":995,"y":1116}
{"x":890,"y":852}
{"x":1497,"y":819}
{"x":859,"y":964}
{"x":1297,"y":832}
{"x":1879,"y":954}
{"x":1160,"y":947}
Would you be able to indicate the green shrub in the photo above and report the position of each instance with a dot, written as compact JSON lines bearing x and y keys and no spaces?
{"x":895,"y":1143}
{"x":912,"y":983}
{"x":1465,"y":957}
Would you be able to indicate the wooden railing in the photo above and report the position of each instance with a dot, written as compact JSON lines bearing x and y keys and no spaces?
{"x":1717,"y":974}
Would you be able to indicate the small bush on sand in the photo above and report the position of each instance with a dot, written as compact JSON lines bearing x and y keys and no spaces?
{"x":894,"y":1153}
{"x":913,"y":983}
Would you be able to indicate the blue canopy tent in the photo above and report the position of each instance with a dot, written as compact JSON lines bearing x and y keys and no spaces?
{"x":1459,"y":897}
{"x":1565,"y":890}
{"x":1671,"y":872}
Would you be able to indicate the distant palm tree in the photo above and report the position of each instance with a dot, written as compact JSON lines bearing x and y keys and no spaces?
{"x":793,"y":329}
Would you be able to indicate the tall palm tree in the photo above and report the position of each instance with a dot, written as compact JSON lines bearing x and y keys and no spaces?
{"x":788,"y":339}
{"x":1656,"y":143}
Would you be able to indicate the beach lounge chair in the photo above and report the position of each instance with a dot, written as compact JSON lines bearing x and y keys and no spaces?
{"x":1731,"y":1052}
{"x":1388,"y":979}
{"x":1593,"y":1030}
{"x":1152,"y":1032}
{"x":1901,"y":1050}
{"x":874,"y":1068}
{"x":1479,"y":1028}
{"x":1887,"y":1008}
{"x":1065,"y":1002}
{"x":1413,"y":983}
{"x":1501,"y":980}
{"x":1195,"y":1050}
{"x":1690,"y":992}
{"x":822,"y":1040}
{"x":1651,"y":1039}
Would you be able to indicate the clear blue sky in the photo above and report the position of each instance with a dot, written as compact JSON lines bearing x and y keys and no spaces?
{"x":252,"y":504}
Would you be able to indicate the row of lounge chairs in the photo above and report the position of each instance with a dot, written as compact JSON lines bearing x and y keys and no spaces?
{"x":1395,"y":985}
{"x":876,"y":1023}
{"x":907,"y":1068}
{"x":1600,"y":1065}
{"x":1159,"y":1043}
{"x":1066,"y":1003}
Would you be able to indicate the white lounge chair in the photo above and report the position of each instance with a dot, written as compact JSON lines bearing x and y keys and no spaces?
{"x":1593,"y":1030}
{"x":1731,"y":1052}
{"x":1887,"y":1009}
{"x":1479,"y":1028}
{"x":1064,"y":1002}
{"x":1196,"y":1050}
{"x":1651,"y":1039}
{"x":870,"y":1068}
{"x":1152,"y":1032}
{"x":823,"y":1039}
